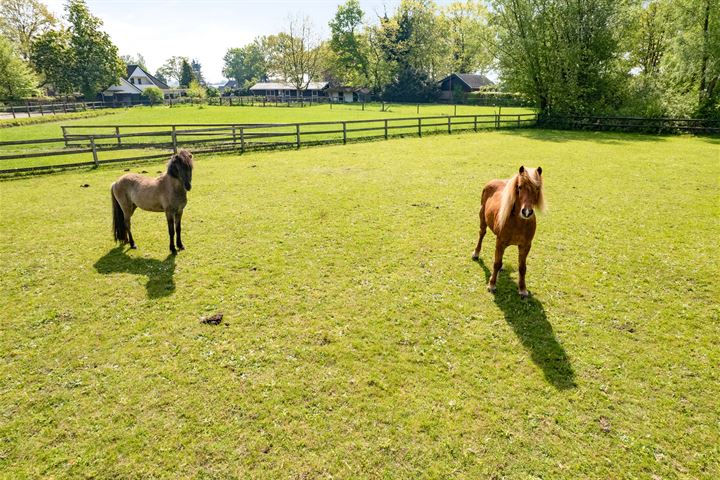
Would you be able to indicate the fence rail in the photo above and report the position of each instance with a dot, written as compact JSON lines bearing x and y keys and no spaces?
{"x":42,"y":109}
{"x":631,"y":124}
{"x":95,"y":141}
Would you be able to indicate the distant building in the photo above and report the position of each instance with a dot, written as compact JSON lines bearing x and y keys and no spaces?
{"x":464,"y":82}
{"x":130,"y":88}
{"x":284,"y":90}
{"x":228,"y":87}
{"x":345,"y":94}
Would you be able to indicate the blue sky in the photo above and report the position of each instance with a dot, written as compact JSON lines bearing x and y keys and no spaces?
{"x":159,"y":29}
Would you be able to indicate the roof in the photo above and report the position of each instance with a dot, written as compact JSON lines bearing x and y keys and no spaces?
{"x":287,"y":86}
{"x":158,"y":83}
{"x":230,"y":84}
{"x":472,"y":80}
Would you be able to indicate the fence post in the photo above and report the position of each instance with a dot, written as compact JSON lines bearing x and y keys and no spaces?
{"x":64,"y":107}
{"x":64,"y":136}
{"x":27,"y":107}
{"x":386,"y":129}
{"x":94,"y":150}
{"x":297,"y":132}
{"x":475,"y":122}
{"x":449,"y":124}
{"x":418,"y":109}
{"x":419,"y":127}
{"x":174,"y":139}
{"x":234,"y":137}
{"x":117,"y":134}
{"x":344,"y":133}
{"x":242,"y":140}
{"x":518,"y":120}
{"x":42,"y":113}
{"x":12,"y":109}
{"x":455,"y":112}
{"x":363,"y":106}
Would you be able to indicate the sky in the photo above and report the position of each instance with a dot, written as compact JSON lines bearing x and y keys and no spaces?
{"x":205,"y":29}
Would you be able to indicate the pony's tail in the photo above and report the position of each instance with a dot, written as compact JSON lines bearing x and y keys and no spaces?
{"x":120,"y":233}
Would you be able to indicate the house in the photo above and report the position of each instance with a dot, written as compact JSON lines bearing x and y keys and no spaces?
{"x":130,"y":88}
{"x":285,"y":90}
{"x":228,"y":88}
{"x":462,"y":82}
{"x":345,"y":94}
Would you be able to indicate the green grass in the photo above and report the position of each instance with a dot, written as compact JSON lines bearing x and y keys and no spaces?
{"x":217,"y":114}
{"x":359,"y":340}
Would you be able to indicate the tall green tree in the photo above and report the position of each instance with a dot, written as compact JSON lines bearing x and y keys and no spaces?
{"x":470,"y":36}
{"x":53,"y":58}
{"x":17,"y":80}
{"x":295,"y":53}
{"x":197,"y":71}
{"x":564,"y":55}
{"x":349,"y":45}
{"x":186,"y":74}
{"x":247,"y":65}
{"x":171,"y":70}
{"x":97,"y":63}
{"x":21,"y":21}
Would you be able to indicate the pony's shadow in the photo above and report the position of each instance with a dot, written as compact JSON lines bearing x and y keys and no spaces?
{"x":529,"y":322}
{"x":159,"y":272}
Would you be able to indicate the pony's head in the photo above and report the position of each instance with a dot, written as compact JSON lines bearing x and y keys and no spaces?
{"x":524,"y":190}
{"x":180,"y":166}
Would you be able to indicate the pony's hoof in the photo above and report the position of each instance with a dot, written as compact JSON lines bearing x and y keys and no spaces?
{"x":491,"y":288}
{"x":181,"y":247}
{"x":524,"y":294}
{"x":133,"y":247}
{"x":173,"y":251}
{"x":475,"y":257}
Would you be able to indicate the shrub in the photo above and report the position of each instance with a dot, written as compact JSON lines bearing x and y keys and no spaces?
{"x":154,"y":95}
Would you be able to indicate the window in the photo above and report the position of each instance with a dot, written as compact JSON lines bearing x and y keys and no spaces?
{"x":132,"y":80}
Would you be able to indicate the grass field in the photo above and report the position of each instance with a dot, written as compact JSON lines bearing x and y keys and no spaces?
{"x":359,"y":340}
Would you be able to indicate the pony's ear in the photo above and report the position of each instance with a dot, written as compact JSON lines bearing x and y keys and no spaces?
{"x":539,"y":170}
{"x":522,"y":168}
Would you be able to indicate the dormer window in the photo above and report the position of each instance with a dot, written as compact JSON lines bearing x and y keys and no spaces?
{"x":132,"y":80}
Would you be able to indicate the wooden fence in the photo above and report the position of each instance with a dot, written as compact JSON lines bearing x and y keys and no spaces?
{"x":630,"y":124}
{"x":155,"y":141}
{"x":49,"y":108}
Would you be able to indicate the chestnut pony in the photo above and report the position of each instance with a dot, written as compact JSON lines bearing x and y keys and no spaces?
{"x":508,"y":207}
{"x":166,"y":193}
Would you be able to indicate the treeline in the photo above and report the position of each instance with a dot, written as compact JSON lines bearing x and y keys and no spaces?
{"x":399,"y":56}
{"x":627,"y":57}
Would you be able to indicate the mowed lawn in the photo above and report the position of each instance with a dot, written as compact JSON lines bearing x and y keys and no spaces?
{"x":358,"y":339}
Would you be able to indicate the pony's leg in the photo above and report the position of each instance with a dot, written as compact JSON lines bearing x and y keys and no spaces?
{"x":170,"y":216}
{"x":178,"y":228}
{"x":497,"y":266}
{"x":483,"y":230}
{"x":127,"y":225}
{"x":523,"y":251}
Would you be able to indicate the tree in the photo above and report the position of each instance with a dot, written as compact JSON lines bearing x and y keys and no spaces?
{"x":195,"y":90}
{"x":172,"y":69}
{"x":53,"y":57}
{"x":564,"y":55}
{"x":159,"y":75}
{"x":186,"y":74}
{"x":197,"y":71}
{"x":97,"y":64}
{"x":21,"y":21}
{"x":247,"y":65}
{"x":154,"y":95}
{"x":134,"y":60}
{"x":469,"y":36}
{"x":295,"y":53}
{"x":16,"y":78}
{"x":348,"y":44}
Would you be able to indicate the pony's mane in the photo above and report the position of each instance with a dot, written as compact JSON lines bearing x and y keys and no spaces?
{"x":509,"y":195}
{"x":181,"y":160}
